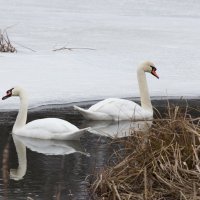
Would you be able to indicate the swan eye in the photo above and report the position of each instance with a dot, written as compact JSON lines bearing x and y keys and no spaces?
{"x":153,"y":68}
{"x":9,"y":91}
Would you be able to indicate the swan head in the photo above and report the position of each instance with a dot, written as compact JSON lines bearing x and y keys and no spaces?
{"x":12,"y":92}
{"x":150,"y":68}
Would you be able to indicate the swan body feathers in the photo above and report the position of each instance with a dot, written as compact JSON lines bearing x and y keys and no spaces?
{"x":115,"y":109}
{"x":50,"y":128}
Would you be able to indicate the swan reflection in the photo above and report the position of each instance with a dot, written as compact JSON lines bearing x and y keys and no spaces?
{"x":17,"y":174}
{"x":117,"y":129}
{"x":52,"y":147}
{"x":47,"y":147}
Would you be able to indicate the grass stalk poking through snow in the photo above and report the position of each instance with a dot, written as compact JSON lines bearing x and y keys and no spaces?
{"x":5,"y":44}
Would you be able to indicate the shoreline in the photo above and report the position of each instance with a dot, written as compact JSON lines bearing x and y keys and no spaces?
{"x":87,"y":103}
{"x":66,"y":111}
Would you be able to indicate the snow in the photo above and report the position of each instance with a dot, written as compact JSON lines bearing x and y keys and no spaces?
{"x":109,"y":39}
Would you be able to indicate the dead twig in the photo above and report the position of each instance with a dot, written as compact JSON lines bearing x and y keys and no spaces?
{"x":71,"y":48}
{"x":25,"y":47}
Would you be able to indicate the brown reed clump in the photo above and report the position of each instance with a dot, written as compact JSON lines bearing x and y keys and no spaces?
{"x":5,"y":44}
{"x":163,"y":164}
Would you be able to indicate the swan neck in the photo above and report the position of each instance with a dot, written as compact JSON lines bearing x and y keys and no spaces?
{"x":22,"y":114}
{"x":144,"y":92}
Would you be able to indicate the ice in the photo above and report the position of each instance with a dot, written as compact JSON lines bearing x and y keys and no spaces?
{"x":109,"y":38}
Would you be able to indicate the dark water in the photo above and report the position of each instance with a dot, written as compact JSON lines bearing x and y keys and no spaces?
{"x":62,"y":176}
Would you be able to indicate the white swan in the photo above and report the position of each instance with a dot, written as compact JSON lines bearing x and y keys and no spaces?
{"x":47,"y":128}
{"x":121,"y":109}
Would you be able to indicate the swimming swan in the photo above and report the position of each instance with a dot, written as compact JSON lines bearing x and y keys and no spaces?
{"x":122,"y":109}
{"x":47,"y":128}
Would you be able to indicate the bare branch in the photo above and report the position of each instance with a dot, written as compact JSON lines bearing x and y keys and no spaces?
{"x":71,"y":48}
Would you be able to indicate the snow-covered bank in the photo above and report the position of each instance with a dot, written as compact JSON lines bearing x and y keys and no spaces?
{"x":123,"y":34}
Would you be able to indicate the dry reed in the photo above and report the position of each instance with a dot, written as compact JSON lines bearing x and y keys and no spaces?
{"x":163,"y":164}
{"x":5,"y":44}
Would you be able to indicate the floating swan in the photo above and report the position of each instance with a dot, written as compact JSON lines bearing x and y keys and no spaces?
{"x":121,"y":109}
{"x":48,"y":128}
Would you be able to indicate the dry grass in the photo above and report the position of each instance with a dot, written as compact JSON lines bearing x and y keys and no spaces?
{"x":165,"y":164}
{"x":5,"y":44}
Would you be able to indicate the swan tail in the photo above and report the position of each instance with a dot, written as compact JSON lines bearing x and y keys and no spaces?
{"x":92,"y":115}
{"x":78,"y":108}
{"x":86,"y":114}
{"x":75,"y":135}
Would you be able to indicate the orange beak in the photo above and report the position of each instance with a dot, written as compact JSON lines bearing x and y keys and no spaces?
{"x":153,"y":72}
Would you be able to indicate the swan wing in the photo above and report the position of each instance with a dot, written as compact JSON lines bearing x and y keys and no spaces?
{"x":121,"y":109}
{"x":50,"y":128}
{"x":51,"y":125}
{"x":91,"y":115}
{"x":102,"y":104}
{"x":73,"y":135}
